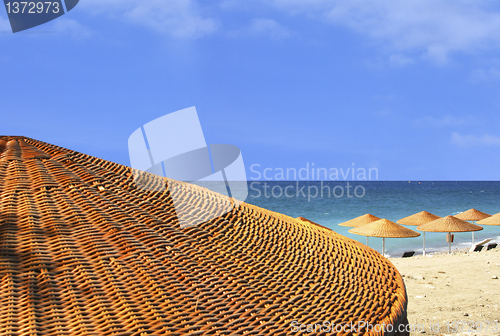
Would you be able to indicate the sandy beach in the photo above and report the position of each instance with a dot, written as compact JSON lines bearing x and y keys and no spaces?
{"x":457,"y":294}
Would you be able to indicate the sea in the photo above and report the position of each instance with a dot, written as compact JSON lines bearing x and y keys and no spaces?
{"x":332,"y":202}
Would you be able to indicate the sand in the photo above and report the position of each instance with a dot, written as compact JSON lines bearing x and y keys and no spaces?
{"x":446,"y":289}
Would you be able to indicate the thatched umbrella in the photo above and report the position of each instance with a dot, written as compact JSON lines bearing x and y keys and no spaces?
{"x":361,"y":220}
{"x":384,"y":228}
{"x":492,"y":220}
{"x":449,"y":224}
{"x":419,"y":219}
{"x":472,"y":215}
{"x":86,"y":251}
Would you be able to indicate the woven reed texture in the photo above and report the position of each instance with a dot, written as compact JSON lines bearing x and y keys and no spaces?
{"x":84,"y":251}
{"x":449,"y":224}
{"x":384,"y":228}
{"x":418,"y":218}
{"x":472,"y":215}
{"x":492,"y":220}
{"x":361,"y":220}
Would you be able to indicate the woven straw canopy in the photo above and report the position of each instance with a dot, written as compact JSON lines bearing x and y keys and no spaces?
{"x":449,"y":224}
{"x":361,"y":220}
{"x":384,"y":228}
{"x":418,"y":218}
{"x":492,"y":220}
{"x":472,"y":215}
{"x":84,"y":251}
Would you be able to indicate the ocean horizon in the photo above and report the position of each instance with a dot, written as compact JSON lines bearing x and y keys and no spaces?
{"x":332,"y":202}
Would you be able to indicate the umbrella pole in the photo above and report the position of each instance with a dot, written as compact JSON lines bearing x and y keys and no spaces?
{"x":449,"y":243}
{"x":366,"y":240}
{"x":424,"y":243}
{"x":473,"y":222}
{"x":383,"y":246}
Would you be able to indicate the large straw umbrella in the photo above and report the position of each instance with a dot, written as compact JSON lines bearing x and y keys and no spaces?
{"x":472,"y":215}
{"x":419,"y":218}
{"x":84,"y":252}
{"x":449,"y":224}
{"x":384,"y":228}
{"x":361,"y":220}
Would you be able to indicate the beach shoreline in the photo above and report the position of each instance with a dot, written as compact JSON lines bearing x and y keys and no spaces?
{"x":453,"y":294}
{"x":459,"y":248}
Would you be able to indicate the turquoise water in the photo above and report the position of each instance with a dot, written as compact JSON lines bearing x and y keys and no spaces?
{"x":341,"y":201}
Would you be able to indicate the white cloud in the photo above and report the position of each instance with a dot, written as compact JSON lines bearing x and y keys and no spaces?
{"x":60,"y":25}
{"x":485,"y":75}
{"x":444,"y":121}
{"x":178,"y":18}
{"x":4,"y":24}
{"x":472,"y":140}
{"x":383,"y":113}
{"x":263,"y":26}
{"x":72,"y":28}
{"x":400,"y":60}
{"x":270,"y":27}
{"x":432,"y":28}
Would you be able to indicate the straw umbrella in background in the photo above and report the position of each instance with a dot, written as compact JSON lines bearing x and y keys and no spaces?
{"x":384,"y":228}
{"x":361,"y":220}
{"x":472,"y":215}
{"x":492,"y":220}
{"x":449,"y":224}
{"x":419,"y":219}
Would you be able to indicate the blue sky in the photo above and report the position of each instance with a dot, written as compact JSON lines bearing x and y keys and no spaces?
{"x":410,"y":88}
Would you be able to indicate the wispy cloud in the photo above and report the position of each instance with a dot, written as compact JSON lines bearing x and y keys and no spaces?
{"x":485,"y":75}
{"x":382,"y":113}
{"x":270,"y":27}
{"x":400,"y":60}
{"x":432,"y":29}
{"x":71,"y":27}
{"x":443,"y":121}
{"x":177,"y":18}
{"x":406,"y":30}
{"x":472,"y":140}
{"x":4,"y":24}
{"x":262,"y":26}
{"x":62,"y":25}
